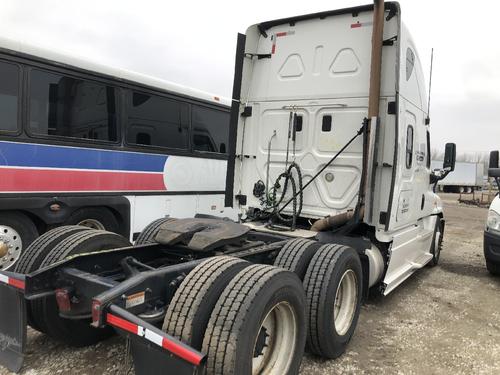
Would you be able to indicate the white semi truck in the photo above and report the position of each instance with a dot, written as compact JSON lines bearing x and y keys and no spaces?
{"x":329,"y":168}
{"x":466,"y":178}
{"x":492,"y":230}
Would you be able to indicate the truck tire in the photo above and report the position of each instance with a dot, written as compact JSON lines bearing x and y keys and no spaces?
{"x":17,"y":232}
{"x":493,"y":268}
{"x":149,"y":233}
{"x":437,"y":243}
{"x":32,"y":257}
{"x":258,"y":325}
{"x":100,"y":218}
{"x":296,"y":255}
{"x":77,"y":333}
{"x":190,"y":309}
{"x":333,"y":285}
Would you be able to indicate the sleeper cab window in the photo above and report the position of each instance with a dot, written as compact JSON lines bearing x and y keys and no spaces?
{"x":9,"y":97}
{"x":210,"y":128}
{"x":410,"y":62}
{"x":63,"y":106}
{"x":154,"y":120}
{"x":409,"y":146}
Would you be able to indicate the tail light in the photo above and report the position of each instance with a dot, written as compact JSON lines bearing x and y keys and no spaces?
{"x":96,"y":313}
{"x":63,"y":299}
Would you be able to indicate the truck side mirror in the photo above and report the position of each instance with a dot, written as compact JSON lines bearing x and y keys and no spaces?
{"x":450,"y":154}
{"x":493,"y":170}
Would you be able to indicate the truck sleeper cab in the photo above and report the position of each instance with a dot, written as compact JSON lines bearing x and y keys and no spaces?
{"x":329,"y":169}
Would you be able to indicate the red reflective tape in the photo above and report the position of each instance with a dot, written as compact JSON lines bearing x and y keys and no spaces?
{"x":273,"y":50}
{"x":281,"y":34}
{"x":356,"y":25}
{"x":122,"y":323}
{"x":181,"y":352}
{"x":19,"y":284}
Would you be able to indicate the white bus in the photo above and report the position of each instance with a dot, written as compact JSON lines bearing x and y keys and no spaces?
{"x":82,"y":143}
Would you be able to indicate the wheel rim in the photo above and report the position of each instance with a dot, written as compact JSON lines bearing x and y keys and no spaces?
{"x":346,"y":300}
{"x":11,"y":246}
{"x":275,"y":341}
{"x":437,"y":241}
{"x":92,"y":223}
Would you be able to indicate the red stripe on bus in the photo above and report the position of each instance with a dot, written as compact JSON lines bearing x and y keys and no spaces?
{"x":356,"y":25}
{"x":16,"y":179}
{"x":122,"y":323}
{"x":181,"y":351}
{"x":281,"y":34}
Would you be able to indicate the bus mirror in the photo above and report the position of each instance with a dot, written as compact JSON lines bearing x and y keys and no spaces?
{"x":493,"y":170}
{"x":450,"y":153}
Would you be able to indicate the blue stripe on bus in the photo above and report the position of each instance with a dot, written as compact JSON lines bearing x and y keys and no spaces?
{"x":43,"y":156}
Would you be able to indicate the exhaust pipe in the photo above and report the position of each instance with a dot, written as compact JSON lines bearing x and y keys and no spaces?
{"x":336,"y":221}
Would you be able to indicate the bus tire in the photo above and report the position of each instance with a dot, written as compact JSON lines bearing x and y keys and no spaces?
{"x":190,"y":309}
{"x":493,"y":268}
{"x":296,"y":255}
{"x":334,"y":277}
{"x":437,"y":243}
{"x":32,"y":258}
{"x":258,"y":324}
{"x":149,"y":233}
{"x":17,"y":232}
{"x":76,"y":333}
{"x":100,"y":218}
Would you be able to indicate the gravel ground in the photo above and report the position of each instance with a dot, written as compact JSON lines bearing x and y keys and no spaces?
{"x":443,"y":320}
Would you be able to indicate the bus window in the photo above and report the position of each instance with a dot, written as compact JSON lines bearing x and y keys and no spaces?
{"x":71,"y":107}
{"x":9,"y":92}
{"x":210,"y":129}
{"x":157,"y":121}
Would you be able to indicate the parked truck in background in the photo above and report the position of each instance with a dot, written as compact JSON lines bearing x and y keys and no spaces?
{"x":466,"y":178}
{"x":492,"y":230}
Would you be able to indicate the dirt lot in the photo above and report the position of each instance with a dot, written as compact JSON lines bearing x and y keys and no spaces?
{"x":443,"y":320}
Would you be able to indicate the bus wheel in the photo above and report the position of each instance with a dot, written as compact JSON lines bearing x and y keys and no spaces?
{"x":258,"y":325}
{"x":189,"y":311}
{"x":296,"y":255}
{"x":76,"y":333}
{"x":333,"y":284}
{"x":99,"y":218}
{"x":149,"y":233}
{"x":17,"y":231}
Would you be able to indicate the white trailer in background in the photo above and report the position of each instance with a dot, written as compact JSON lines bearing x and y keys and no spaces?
{"x":466,"y":178}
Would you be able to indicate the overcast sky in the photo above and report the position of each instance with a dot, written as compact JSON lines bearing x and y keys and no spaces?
{"x":193,"y":43}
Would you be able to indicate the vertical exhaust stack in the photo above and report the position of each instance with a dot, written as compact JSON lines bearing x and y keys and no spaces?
{"x":373,"y":108}
{"x":376,"y":59}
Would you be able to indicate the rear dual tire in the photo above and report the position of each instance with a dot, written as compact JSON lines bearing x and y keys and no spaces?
{"x":148,"y":234}
{"x":44,"y":312}
{"x":33,"y":256}
{"x":254,"y":324}
{"x":333,"y":285}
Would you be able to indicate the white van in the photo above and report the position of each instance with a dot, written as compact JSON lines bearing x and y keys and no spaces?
{"x":492,"y":230}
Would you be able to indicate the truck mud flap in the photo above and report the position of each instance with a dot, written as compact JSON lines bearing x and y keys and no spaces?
{"x":12,"y":321}
{"x":152,"y":350}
